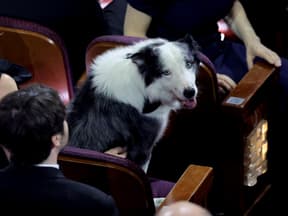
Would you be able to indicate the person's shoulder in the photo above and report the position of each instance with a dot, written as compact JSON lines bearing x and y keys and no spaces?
{"x":85,"y":190}
{"x":88,"y":197}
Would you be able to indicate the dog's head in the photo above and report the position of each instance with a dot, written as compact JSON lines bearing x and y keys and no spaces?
{"x":169,"y":70}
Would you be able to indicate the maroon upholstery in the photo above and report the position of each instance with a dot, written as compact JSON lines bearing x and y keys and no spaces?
{"x":115,"y":39}
{"x":160,"y":188}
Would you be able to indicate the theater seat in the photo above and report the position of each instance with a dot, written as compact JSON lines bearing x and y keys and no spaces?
{"x":38,"y":49}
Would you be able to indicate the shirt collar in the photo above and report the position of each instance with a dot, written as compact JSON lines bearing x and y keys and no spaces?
{"x":48,"y":165}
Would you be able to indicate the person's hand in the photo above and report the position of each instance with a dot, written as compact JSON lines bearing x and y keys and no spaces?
{"x":256,"y":48}
{"x":225,"y":83}
{"x":117,"y":151}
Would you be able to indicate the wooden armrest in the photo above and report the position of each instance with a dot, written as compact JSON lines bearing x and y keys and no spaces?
{"x":193,"y":185}
{"x":249,"y":86}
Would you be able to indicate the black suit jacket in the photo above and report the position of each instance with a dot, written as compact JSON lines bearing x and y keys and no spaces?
{"x":30,"y":189}
{"x":114,"y":15}
{"x":77,"y":22}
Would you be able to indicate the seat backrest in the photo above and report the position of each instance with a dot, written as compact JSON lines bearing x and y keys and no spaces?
{"x":38,"y":49}
{"x":124,"y":180}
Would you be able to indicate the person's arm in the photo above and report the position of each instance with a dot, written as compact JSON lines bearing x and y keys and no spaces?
{"x":136,"y":23}
{"x":241,"y":26}
{"x":117,"y":151}
{"x":239,"y":23}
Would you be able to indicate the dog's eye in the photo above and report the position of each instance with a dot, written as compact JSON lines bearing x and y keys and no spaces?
{"x":166,"y":72}
{"x":189,"y":64}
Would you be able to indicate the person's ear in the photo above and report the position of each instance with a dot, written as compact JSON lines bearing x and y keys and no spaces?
{"x":56,"y":140}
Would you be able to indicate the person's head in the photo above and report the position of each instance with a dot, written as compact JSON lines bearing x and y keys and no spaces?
{"x":7,"y":84}
{"x":32,"y":124}
{"x":183,"y":208}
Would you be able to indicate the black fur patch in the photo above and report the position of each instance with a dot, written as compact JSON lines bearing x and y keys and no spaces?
{"x":148,"y":63}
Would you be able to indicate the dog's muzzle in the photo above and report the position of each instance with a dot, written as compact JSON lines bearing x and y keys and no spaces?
{"x":190,"y":101}
{"x":189,"y":93}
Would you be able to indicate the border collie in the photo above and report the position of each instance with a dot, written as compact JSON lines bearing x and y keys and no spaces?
{"x":108,"y":110}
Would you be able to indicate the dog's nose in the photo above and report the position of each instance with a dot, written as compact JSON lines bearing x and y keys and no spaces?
{"x":189,"y":93}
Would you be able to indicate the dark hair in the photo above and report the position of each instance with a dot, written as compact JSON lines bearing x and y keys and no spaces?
{"x":29,"y":118}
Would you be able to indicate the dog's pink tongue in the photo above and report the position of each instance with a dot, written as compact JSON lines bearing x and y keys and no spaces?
{"x":189,"y":104}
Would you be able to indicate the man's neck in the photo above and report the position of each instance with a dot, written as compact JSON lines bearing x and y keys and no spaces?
{"x":51,"y":159}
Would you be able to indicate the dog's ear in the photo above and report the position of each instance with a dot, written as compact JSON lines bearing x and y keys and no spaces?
{"x":192,"y":43}
{"x":137,"y":58}
{"x":143,"y":56}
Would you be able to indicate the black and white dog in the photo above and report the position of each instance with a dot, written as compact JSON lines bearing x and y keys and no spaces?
{"x":107,"y":111}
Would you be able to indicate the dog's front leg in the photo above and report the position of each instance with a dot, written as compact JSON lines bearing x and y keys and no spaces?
{"x":162,"y":115}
